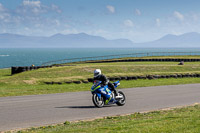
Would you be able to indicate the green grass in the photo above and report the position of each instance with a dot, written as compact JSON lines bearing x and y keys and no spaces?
{"x":167,"y":57}
{"x":179,"y":120}
{"x":32,"y":82}
{"x":84,"y":71}
{"x":19,"y":90}
{"x":5,"y":73}
{"x":157,"y":57}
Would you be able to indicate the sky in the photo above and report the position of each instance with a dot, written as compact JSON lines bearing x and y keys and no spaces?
{"x":136,"y":20}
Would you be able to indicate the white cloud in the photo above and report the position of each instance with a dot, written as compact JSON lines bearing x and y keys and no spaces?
{"x":5,"y":17}
{"x":98,"y":32}
{"x":30,"y":8}
{"x":158,"y":22}
{"x":31,"y":17}
{"x":36,"y":10}
{"x":38,"y":25}
{"x":1,"y":8}
{"x":26,"y":28}
{"x":178,"y":15}
{"x":31,"y":3}
{"x":128,"y":23}
{"x":31,"y":13}
{"x":57,"y":22}
{"x":195,"y":17}
{"x":55,"y":8}
{"x":111,"y":9}
{"x":4,"y":14}
{"x":138,"y":12}
{"x":70,"y":31}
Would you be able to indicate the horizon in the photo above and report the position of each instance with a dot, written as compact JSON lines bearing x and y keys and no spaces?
{"x":137,"y":20}
{"x":103,"y":37}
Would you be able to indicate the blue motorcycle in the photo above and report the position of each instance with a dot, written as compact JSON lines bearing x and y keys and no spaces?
{"x":102,"y":95}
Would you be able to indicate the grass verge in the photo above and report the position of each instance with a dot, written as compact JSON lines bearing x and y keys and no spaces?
{"x":84,"y":71}
{"x":19,"y":90}
{"x":32,"y":82}
{"x":179,"y":120}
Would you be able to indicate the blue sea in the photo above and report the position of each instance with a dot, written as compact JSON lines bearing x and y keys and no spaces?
{"x":37,"y":56}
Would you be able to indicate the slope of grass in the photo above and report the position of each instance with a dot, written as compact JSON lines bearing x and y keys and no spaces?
{"x":179,"y":120}
{"x":18,"y":90}
{"x":5,"y":73}
{"x":84,"y":71}
{"x":32,"y":82}
{"x":167,"y":57}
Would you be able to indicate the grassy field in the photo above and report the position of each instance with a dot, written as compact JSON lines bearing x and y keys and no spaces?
{"x":159,"y":57}
{"x":84,"y":71}
{"x":179,"y":120}
{"x":19,"y":90}
{"x":168,"y":57}
{"x":32,"y":82}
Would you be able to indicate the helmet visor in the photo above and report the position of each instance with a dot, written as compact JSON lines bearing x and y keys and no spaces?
{"x":96,"y":74}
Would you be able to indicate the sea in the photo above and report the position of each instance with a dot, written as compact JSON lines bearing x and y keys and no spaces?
{"x":28,"y":56}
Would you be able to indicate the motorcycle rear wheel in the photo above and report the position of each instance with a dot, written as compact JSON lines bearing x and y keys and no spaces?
{"x":121,"y":101}
{"x":98,"y":102}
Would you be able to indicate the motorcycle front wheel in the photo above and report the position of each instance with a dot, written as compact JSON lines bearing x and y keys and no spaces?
{"x":98,"y":102}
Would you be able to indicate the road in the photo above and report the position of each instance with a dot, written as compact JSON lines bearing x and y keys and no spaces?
{"x":38,"y":110}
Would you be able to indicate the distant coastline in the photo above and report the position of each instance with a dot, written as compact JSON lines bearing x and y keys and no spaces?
{"x":83,"y":40}
{"x":37,"y":56}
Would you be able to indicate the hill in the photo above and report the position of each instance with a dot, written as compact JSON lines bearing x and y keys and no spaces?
{"x":59,"y":40}
{"x":83,"y":40}
{"x":191,"y":39}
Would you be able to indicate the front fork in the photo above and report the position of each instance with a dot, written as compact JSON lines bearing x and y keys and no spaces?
{"x":107,"y":98}
{"x":111,"y":99}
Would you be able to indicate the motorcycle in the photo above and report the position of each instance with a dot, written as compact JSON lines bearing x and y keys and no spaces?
{"x":102,"y":95}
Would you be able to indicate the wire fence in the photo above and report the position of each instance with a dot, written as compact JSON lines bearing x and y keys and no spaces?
{"x":148,"y":54}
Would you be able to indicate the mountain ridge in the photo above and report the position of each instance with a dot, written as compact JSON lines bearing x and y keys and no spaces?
{"x":190,"y":39}
{"x":83,"y":40}
{"x":8,"y":40}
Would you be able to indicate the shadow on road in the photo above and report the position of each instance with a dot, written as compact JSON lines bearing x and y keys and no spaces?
{"x":77,"y":107}
{"x":84,"y":107}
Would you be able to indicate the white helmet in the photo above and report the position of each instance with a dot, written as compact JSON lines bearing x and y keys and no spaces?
{"x":97,"y":72}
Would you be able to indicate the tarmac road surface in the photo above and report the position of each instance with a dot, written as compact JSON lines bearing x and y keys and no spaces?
{"x":38,"y":110}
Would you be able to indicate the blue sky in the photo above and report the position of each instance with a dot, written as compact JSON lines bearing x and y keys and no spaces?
{"x":137,"y":20}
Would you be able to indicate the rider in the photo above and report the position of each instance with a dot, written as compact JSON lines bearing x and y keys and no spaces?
{"x":105,"y":81}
